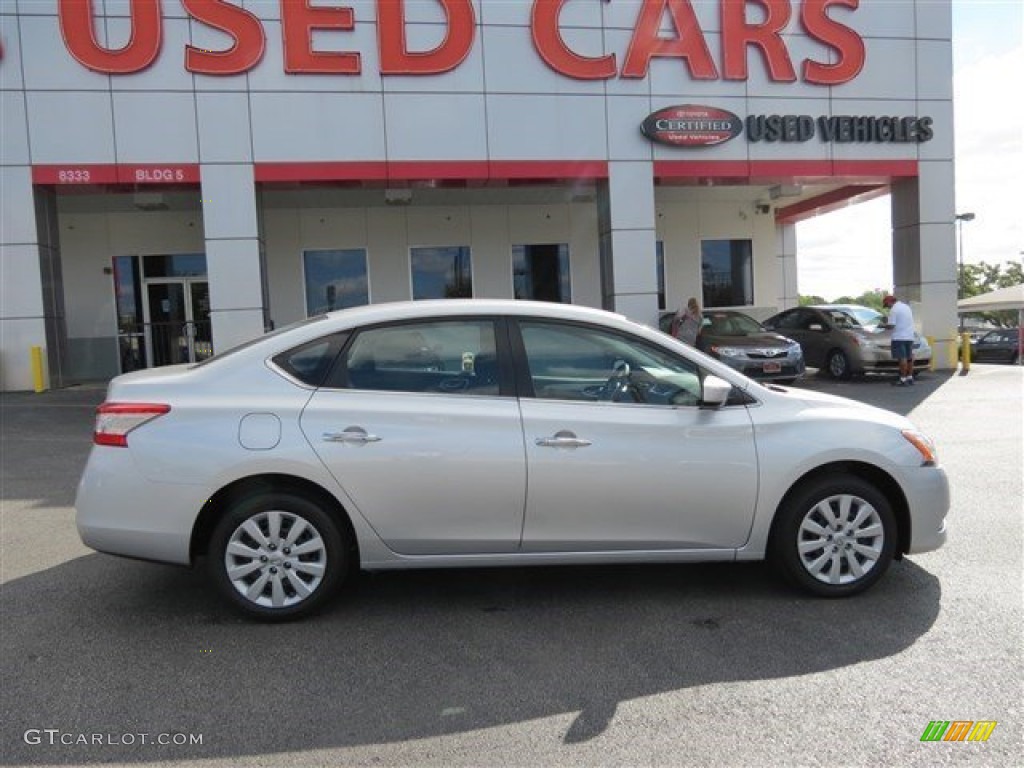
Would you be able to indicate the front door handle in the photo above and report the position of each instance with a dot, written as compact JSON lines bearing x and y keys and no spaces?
{"x":562,"y":439}
{"x":351,"y":436}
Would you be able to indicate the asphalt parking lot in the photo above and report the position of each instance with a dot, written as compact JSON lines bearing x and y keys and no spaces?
{"x":667,"y":665}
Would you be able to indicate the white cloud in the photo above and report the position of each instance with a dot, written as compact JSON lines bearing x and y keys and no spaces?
{"x":850,"y":251}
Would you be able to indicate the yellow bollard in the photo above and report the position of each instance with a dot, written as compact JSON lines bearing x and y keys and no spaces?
{"x":965,"y":352}
{"x":36,"y":355}
{"x":931,"y":343}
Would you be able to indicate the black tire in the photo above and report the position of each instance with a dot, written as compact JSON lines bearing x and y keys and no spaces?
{"x":319,"y":567}
{"x":803,"y":535}
{"x":838,"y":364}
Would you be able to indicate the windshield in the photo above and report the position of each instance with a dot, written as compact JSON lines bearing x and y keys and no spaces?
{"x":729,"y":324}
{"x":865,"y":316}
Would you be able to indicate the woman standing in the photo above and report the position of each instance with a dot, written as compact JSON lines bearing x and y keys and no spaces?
{"x":686,"y":324}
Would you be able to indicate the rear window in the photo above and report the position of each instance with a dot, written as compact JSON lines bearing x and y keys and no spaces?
{"x":258,"y":339}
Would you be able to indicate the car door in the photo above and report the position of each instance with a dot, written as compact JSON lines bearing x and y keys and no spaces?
{"x":796,"y":324}
{"x":620,"y":455}
{"x":417,"y":427}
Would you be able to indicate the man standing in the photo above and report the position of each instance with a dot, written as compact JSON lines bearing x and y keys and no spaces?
{"x":901,"y":319}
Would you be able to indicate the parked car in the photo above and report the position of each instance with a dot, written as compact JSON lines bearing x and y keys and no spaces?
{"x":337,"y":444}
{"x":1002,"y":346}
{"x":744,"y":344}
{"x":845,"y":339}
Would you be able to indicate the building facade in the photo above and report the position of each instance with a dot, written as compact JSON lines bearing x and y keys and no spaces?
{"x":179,"y":176}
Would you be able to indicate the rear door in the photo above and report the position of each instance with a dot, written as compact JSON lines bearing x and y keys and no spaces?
{"x":419,"y":427}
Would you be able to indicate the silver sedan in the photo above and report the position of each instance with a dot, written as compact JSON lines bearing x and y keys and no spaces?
{"x":471,"y":433}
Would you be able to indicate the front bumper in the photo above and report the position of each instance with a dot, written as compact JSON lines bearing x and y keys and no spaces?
{"x":927,"y":490}
{"x":767,"y":370}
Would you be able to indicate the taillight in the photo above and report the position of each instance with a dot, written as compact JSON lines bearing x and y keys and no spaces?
{"x":115,"y":420}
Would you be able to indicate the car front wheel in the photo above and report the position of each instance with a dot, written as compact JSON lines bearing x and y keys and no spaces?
{"x":277,"y":556}
{"x":835,"y":537}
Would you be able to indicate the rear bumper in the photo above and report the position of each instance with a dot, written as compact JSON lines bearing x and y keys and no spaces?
{"x":120,"y":512}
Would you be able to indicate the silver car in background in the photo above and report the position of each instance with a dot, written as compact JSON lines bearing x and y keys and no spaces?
{"x":399,"y":436}
{"x":845,"y":339}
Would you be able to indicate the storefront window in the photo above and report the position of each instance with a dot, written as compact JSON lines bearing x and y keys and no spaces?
{"x":443,"y":272}
{"x":727,"y":269}
{"x":131,"y":340}
{"x":175,"y":265}
{"x":541,"y":272}
{"x":335,"y":280}
{"x":660,"y":256}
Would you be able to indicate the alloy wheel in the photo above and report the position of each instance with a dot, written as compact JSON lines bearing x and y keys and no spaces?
{"x":275,"y":559}
{"x":840,"y":539}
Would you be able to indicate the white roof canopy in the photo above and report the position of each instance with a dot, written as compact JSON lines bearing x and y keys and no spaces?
{"x":1001,"y":298}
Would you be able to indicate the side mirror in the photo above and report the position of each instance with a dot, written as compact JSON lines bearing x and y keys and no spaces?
{"x":714,"y":392}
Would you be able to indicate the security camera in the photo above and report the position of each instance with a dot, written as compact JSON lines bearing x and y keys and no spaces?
{"x":762,"y":208}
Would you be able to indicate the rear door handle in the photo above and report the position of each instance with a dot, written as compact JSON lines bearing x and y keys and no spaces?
{"x":562,"y":439}
{"x":351,"y":436}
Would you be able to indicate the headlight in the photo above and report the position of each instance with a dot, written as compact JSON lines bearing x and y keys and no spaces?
{"x":728,"y":351}
{"x":924,"y":445}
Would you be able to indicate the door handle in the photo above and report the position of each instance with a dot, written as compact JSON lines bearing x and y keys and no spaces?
{"x":562,"y":439}
{"x":350,"y":436}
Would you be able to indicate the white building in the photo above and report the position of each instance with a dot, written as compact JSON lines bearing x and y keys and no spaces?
{"x":178,"y":175}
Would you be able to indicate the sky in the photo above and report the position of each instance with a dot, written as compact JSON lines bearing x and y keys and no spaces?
{"x":850,"y":251}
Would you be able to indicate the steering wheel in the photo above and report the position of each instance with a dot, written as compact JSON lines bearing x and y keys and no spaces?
{"x":619,"y":384}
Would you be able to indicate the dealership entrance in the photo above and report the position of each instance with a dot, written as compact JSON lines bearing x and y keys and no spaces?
{"x":163,"y":310}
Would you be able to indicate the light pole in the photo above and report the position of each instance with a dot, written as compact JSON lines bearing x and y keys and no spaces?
{"x":960,"y":218}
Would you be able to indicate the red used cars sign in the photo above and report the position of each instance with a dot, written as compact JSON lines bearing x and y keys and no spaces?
{"x":691,"y":125}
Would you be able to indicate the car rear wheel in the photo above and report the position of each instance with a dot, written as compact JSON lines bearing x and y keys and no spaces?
{"x":277,"y":556}
{"x":835,"y":536}
{"x":838,"y":364}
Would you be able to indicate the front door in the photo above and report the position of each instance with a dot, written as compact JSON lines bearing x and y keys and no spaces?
{"x":178,"y":321}
{"x":620,"y":455}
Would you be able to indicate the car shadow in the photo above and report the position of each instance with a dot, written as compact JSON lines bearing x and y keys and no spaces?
{"x":105,"y":646}
{"x":878,"y":389}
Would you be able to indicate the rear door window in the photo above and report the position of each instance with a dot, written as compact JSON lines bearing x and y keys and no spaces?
{"x":453,"y":357}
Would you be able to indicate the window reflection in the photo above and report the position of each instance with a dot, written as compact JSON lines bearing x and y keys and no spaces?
{"x":541,"y":272}
{"x":443,"y":272}
{"x":335,"y":279}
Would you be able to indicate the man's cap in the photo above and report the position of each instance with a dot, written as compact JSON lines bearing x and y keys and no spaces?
{"x":888,"y":301}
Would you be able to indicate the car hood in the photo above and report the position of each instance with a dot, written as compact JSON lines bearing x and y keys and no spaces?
{"x":820,"y":400}
{"x":751,"y":340}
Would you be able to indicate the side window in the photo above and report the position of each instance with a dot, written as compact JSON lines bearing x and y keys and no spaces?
{"x":807,"y":319}
{"x":788,"y":320}
{"x":573,"y":362}
{"x":456,"y":357}
{"x":311,"y":362}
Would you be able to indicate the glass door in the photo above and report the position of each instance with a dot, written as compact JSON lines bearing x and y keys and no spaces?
{"x":178,"y":320}
{"x":201,"y":339}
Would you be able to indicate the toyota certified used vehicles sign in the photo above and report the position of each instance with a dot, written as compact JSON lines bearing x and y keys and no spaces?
{"x":690,"y":125}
